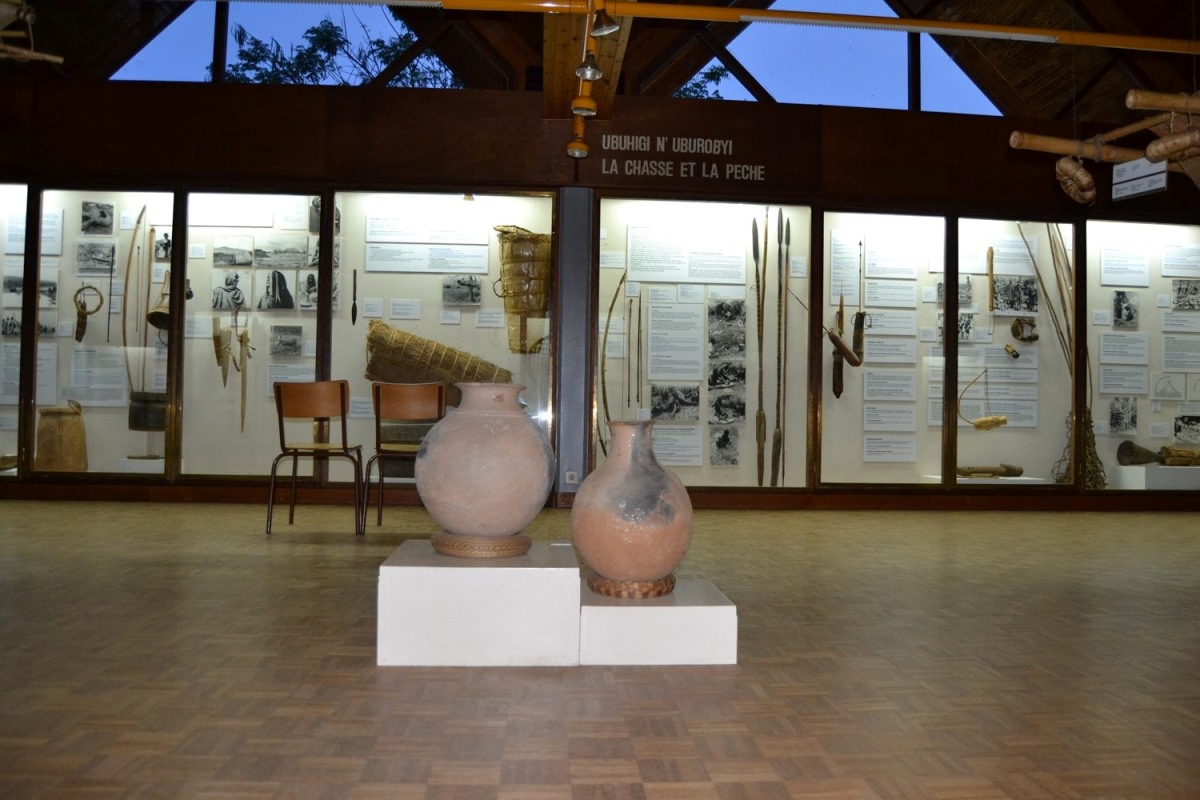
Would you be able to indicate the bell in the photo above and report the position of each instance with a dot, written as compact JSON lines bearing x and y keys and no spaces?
{"x":160,"y":315}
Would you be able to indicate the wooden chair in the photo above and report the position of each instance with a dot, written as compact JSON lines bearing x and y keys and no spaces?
{"x":320,"y":402}
{"x":417,"y":404}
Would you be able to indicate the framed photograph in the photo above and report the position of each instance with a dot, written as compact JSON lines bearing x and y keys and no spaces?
{"x":273,"y":290}
{"x":726,"y":408}
{"x":97,"y":219}
{"x":162,"y":245}
{"x":233,"y":251}
{"x":675,"y":402}
{"x":1122,"y":415}
{"x":287,"y":341}
{"x":306,"y":290}
{"x":95,"y":258}
{"x":281,"y":251}
{"x":723,"y":446}
{"x":1185,"y":294}
{"x":462,"y":290}
{"x":1016,"y":295}
{"x":1125,"y":309}
{"x":231,"y":289}
{"x":1187,"y":429}
{"x":726,"y":328}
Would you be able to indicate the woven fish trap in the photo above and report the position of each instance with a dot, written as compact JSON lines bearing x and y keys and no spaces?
{"x":524,"y":281}
{"x":398,"y":356}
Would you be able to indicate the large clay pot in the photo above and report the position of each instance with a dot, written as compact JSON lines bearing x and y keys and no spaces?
{"x":631,"y":520}
{"x":484,"y":472}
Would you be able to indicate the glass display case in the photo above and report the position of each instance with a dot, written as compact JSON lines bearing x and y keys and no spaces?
{"x":12,"y":217}
{"x":102,"y":358}
{"x":703,"y":329}
{"x":881,"y":414}
{"x":1143,"y":344}
{"x":1016,"y":312}
{"x":419,"y":291}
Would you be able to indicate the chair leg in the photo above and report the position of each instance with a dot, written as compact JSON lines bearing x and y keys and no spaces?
{"x":292,"y":507}
{"x":271,"y":494}
{"x":360,"y":499}
{"x":379,"y":510}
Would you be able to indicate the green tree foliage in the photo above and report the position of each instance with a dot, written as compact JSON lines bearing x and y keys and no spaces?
{"x":705,"y":85}
{"x":329,"y":56}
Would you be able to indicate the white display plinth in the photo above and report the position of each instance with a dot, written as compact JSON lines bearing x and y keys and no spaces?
{"x":695,"y":624}
{"x":438,"y":610}
{"x":1156,"y":476}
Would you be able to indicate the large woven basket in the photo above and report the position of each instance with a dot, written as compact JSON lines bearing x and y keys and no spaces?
{"x":398,"y":356}
{"x":524,"y":282}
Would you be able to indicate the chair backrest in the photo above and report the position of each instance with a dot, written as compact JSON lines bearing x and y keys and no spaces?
{"x":316,"y":400}
{"x":407,"y":402}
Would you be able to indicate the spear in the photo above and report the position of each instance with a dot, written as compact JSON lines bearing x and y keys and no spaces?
{"x":777,"y":437}
{"x":761,"y":416}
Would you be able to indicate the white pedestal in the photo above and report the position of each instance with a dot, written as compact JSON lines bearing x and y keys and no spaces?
{"x":695,"y":624}
{"x":1156,"y":476}
{"x":437,"y":610}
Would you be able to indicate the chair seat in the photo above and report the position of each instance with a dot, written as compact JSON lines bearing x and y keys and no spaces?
{"x":399,"y":448}
{"x":321,"y":446}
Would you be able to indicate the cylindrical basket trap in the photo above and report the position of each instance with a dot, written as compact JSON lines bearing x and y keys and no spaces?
{"x":147,"y":411}
{"x":61,"y":439}
{"x":524,"y":282}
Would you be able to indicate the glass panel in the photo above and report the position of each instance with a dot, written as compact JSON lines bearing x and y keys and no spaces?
{"x":12,"y":218}
{"x":1144,"y":351}
{"x":680,"y":339}
{"x":884,"y":426}
{"x":98,"y":350}
{"x":444,"y":287}
{"x":1016,"y":313}
{"x":795,"y":62}
{"x":254,"y":255}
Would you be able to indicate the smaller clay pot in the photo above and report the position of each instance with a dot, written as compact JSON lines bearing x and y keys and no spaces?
{"x":631,"y":519}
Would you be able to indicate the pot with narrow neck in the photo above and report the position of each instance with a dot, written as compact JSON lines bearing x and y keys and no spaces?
{"x":631,"y":520}
{"x":485,"y":469}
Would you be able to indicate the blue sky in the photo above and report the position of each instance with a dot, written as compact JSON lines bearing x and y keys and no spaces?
{"x":796,"y":64}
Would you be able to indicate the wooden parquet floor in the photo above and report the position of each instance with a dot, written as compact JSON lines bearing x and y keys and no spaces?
{"x":174,"y":651}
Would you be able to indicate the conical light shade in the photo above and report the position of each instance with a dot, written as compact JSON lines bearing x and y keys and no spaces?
{"x":577,"y":148}
{"x":589,"y":70}
{"x":603,"y":24}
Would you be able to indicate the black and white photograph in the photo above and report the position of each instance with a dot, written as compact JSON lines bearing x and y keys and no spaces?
{"x":162,"y":245}
{"x":966,"y":326}
{"x":287,"y":341}
{"x":10,"y":322}
{"x":280,"y":250}
{"x":14,"y":287}
{"x":306,"y":290}
{"x":462,"y":290}
{"x":1187,"y":429}
{"x":723,"y":446}
{"x":726,"y":408}
{"x":1185,"y":295}
{"x":314,"y":251}
{"x":1122,"y":415}
{"x":1125,"y":309}
{"x":1016,"y":295}
{"x":273,"y":290}
{"x":230,"y":289}
{"x":672,"y":402}
{"x":314,"y":217}
{"x":233,"y":251}
{"x":726,"y":328}
{"x":966,"y":292}
{"x":726,"y":374}
{"x":96,"y":218}
{"x":95,"y":258}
